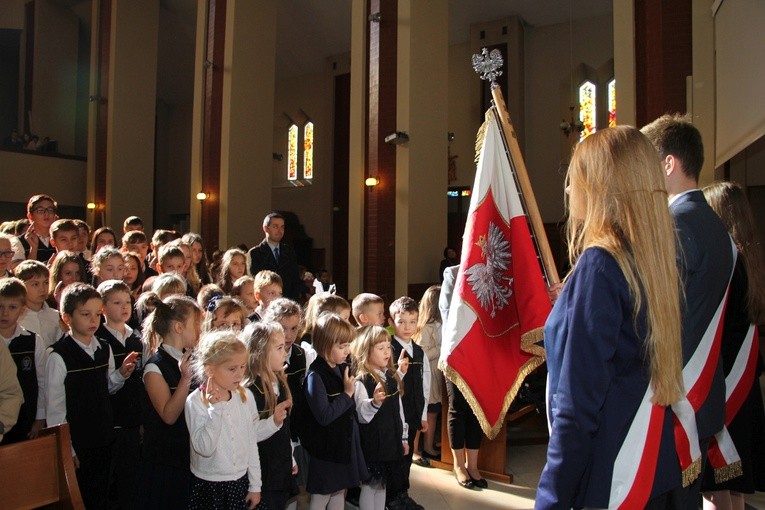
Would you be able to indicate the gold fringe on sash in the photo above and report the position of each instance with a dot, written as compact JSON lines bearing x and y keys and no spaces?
{"x":691,"y":472}
{"x":728,"y":472}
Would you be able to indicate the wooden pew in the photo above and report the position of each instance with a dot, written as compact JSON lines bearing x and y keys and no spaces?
{"x":40,"y":472}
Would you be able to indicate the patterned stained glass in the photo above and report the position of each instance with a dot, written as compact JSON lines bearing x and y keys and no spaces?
{"x":308,"y":151}
{"x":292,"y":152}
{"x":612,"y":103}
{"x":587,"y":95}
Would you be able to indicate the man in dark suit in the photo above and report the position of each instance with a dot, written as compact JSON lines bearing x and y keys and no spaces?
{"x":705,"y":260}
{"x":274,"y":255}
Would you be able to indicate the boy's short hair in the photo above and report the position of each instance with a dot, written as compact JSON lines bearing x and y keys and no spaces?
{"x":102,"y":256}
{"x":28,"y":269}
{"x":170,"y":251}
{"x":132,"y":221}
{"x":676,"y":135}
{"x":13,"y":288}
{"x":362,"y":301}
{"x":109,"y":287}
{"x":236,"y":288}
{"x":206,"y":293}
{"x":36,"y":199}
{"x":82,"y":224}
{"x":77,"y":294}
{"x":163,"y":236}
{"x":135,"y":237}
{"x":402,"y":305}
{"x":63,"y":225}
{"x":265,"y":278}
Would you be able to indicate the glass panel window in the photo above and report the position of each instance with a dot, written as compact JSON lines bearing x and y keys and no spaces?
{"x":292,"y":152}
{"x":308,"y":151}
{"x":612,"y":103}
{"x":587,"y":112}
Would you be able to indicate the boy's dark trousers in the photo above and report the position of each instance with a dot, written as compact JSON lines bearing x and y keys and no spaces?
{"x":399,"y":476}
{"x":126,"y":453}
{"x":93,"y":476}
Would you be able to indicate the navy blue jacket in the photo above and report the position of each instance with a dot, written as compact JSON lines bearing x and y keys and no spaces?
{"x":597,"y":376}
{"x":705,"y":258}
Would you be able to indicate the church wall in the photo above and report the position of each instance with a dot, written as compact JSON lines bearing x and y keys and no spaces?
{"x":313,"y":202}
{"x":546,"y":149}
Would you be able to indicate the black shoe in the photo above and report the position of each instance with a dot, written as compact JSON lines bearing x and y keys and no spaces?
{"x":468,"y":484}
{"x":396,"y":504}
{"x":421,"y":461}
{"x":481,"y":483}
{"x":410,"y":503}
{"x":431,"y":456}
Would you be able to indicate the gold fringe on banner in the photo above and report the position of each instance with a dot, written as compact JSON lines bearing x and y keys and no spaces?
{"x":491,"y":430}
{"x":481,"y":135}
{"x":529,"y":342}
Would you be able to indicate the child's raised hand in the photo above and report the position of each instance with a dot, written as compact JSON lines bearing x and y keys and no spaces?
{"x":212,"y":392}
{"x":280,"y":412}
{"x":128,"y":365}
{"x":403,"y":362}
{"x":31,"y":237}
{"x":185,"y":365}
{"x":348,"y":383}
{"x":379,"y":394}
{"x":252,"y":499}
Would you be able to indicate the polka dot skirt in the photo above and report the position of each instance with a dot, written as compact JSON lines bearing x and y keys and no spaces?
{"x":206,"y":495}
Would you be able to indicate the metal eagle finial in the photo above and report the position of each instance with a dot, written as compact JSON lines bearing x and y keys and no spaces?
{"x":488,"y":65}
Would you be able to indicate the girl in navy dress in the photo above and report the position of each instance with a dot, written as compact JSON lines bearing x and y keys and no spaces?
{"x":613,"y":337}
{"x":268,"y":384}
{"x":332,"y":432}
{"x":382,"y":426}
{"x":170,"y":334}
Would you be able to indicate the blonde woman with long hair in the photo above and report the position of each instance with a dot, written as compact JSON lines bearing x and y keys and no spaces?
{"x":613,"y":336}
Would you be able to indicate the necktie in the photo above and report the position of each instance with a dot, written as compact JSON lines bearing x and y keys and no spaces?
{"x":276,"y":254}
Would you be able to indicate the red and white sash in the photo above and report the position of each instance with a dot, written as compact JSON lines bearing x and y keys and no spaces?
{"x":698,"y":374}
{"x":631,"y":482}
{"x":722,"y":453}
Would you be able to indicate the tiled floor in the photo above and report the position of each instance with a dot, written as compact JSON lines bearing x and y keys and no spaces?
{"x":437,"y":489}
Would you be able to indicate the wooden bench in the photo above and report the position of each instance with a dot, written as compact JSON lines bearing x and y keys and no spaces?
{"x":40,"y":472}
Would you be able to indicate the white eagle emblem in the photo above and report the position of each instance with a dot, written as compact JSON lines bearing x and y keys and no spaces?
{"x":487,"y":281}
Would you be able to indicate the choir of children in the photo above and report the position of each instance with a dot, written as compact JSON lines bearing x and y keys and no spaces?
{"x":191,"y":407}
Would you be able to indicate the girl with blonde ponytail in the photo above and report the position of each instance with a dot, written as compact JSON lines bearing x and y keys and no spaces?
{"x":613,"y":336}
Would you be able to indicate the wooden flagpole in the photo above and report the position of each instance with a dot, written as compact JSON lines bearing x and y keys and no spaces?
{"x":489,"y":65}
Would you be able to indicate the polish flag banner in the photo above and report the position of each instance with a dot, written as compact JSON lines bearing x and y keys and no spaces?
{"x":500,"y":296}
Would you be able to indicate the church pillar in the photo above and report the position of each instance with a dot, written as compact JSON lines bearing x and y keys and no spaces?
{"x":380,"y":201}
{"x":247,"y":124}
{"x":663,"y":58}
{"x":131,"y":104}
{"x":357,"y":149}
{"x":404,"y":215}
{"x":422,"y":163}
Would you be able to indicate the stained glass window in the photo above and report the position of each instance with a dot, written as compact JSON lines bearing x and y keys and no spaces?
{"x":612,"y":103}
{"x":587,"y":96}
{"x":308,"y":151}
{"x":292,"y":152}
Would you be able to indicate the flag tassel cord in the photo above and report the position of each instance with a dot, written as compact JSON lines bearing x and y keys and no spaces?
{"x":526,"y":193}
